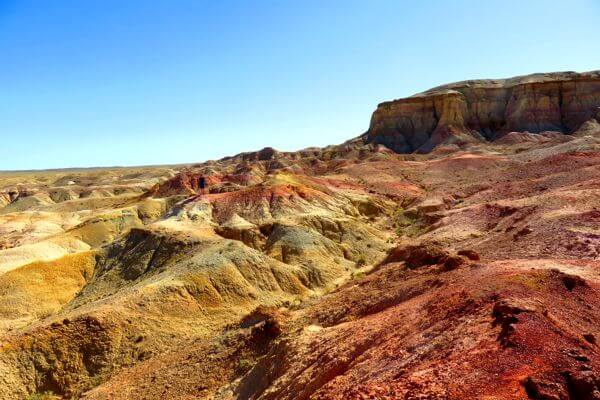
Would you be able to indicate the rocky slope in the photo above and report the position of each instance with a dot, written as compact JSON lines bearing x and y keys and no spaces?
{"x":487,"y":109}
{"x":347,"y":272}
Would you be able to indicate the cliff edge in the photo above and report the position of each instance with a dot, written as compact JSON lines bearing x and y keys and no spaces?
{"x":478,"y":110}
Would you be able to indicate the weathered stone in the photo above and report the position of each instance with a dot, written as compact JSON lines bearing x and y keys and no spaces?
{"x":477,"y":110}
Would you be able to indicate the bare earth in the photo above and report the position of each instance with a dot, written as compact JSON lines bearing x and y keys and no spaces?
{"x":346,"y":272}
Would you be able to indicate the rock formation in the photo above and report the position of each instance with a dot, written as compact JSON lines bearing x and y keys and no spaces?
{"x":345,"y":272}
{"x":486,"y":109}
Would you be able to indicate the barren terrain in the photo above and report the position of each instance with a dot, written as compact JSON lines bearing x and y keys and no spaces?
{"x":345,"y":272}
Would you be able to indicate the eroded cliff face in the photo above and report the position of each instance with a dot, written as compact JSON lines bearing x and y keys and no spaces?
{"x":345,"y":272}
{"x":487,"y":109}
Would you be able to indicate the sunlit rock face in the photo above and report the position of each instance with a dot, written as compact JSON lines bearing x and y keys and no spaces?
{"x":344,"y":272}
{"x":478,"y":110}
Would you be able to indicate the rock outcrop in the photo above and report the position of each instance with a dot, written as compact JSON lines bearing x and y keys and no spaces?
{"x":344,"y":272}
{"x":480,"y":110}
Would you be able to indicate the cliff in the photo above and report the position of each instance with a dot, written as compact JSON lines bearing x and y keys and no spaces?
{"x":487,"y":109}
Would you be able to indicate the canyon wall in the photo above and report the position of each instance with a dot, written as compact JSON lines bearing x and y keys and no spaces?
{"x":486,"y":109}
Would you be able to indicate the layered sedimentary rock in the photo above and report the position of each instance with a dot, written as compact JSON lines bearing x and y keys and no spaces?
{"x":345,"y":272}
{"x":487,"y":109}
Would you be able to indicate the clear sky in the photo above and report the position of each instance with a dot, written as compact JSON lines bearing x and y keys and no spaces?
{"x":135,"y":82}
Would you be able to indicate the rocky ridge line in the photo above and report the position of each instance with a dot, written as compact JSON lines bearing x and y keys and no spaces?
{"x":480,"y":110}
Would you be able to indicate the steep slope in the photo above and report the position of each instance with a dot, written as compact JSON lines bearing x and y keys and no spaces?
{"x":472,"y":111}
{"x":169,"y":268}
{"x":347,"y":272}
{"x":490,"y":292}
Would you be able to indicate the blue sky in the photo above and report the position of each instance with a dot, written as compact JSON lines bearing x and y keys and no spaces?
{"x":135,"y":82}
